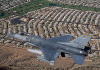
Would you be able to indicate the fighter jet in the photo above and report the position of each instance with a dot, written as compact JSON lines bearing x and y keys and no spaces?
{"x":51,"y":48}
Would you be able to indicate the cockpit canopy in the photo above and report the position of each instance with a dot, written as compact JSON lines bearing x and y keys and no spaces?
{"x":24,"y":34}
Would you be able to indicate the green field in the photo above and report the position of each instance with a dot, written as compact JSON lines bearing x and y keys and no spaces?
{"x":35,"y":5}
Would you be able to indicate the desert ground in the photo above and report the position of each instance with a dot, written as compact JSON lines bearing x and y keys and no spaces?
{"x":14,"y":58}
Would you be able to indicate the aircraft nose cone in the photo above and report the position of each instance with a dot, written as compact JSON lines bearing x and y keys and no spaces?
{"x":11,"y":35}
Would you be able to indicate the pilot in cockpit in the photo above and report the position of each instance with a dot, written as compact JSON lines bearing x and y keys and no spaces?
{"x":24,"y":34}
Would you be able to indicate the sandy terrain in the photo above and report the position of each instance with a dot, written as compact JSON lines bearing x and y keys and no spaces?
{"x":12,"y":58}
{"x":18,"y":59}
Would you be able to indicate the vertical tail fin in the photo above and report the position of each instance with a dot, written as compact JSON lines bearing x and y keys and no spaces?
{"x":82,"y":40}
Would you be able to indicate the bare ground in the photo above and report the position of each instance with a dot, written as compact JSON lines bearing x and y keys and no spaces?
{"x":20,"y":59}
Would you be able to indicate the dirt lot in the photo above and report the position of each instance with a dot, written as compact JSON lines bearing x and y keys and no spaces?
{"x":18,"y":59}
{"x":12,"y":58}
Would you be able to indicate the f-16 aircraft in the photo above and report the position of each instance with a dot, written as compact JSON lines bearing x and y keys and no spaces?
{"x":51,"y":48}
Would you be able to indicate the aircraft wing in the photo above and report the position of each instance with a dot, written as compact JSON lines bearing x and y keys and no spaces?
{"x":50,"y":54}
{"x":64,"y":38}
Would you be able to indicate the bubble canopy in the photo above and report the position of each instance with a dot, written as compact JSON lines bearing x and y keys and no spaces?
{"x":25,"y":34}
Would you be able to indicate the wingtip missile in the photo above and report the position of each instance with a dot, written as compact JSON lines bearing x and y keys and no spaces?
{"x":35,"y":51}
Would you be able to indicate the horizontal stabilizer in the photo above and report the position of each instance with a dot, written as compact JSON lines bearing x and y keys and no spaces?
{"x":79,"y":59}
{"x":64,"y":38}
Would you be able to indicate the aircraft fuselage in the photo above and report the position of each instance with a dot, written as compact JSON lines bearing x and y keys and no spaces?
{"x":51,"y":48}
{"x":51,"y":44}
